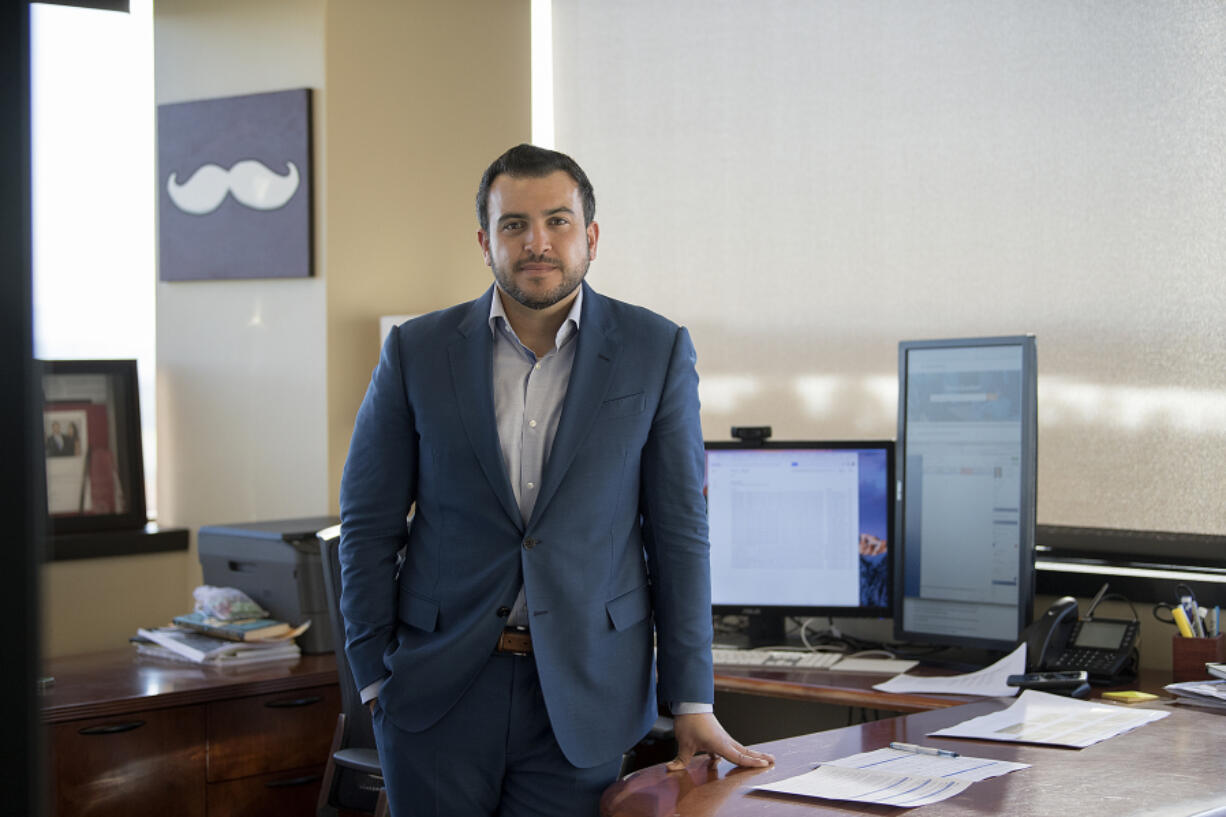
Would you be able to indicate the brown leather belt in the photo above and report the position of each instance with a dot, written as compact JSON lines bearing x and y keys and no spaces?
{"x":514,"y":641}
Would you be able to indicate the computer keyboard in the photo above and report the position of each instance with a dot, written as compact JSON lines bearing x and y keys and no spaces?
{"x":774,"y":658}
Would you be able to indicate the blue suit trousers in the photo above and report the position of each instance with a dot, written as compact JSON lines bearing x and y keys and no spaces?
{"x":493,"y":753}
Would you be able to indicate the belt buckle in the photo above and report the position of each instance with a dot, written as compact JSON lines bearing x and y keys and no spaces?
{"x":516,"y":631}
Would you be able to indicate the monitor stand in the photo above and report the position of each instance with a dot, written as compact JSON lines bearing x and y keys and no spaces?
{"x":766,"y":630}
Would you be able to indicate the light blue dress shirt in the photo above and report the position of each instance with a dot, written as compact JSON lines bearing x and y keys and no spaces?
{"x":528,"y":396}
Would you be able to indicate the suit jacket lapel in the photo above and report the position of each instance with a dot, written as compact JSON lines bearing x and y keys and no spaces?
{"x":597,"y":349}
{"x":471,"y":357}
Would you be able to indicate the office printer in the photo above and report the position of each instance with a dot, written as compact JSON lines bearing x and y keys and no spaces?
{"x":277,"y":564}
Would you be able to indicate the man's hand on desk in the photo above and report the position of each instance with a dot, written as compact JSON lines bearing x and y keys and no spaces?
{"x":701,"y":732}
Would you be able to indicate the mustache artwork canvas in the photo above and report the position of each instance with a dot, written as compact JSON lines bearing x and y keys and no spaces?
{"x":234,"y":187}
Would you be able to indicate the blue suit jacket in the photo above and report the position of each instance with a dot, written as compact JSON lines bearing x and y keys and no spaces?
{"x":616,"y":550}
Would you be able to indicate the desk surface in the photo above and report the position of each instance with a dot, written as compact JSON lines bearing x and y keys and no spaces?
{"x":855,"y":689}
{"x":1174,"y":767}
{"x":121,"y":681}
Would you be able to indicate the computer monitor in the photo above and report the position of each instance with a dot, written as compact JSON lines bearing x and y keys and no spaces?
{"x":799,"y":529}
{"x":964,"y":555}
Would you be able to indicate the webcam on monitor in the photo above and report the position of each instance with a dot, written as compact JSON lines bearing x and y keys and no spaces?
{"x":751,"y":435}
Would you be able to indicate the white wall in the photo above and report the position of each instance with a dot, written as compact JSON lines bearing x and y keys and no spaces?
{"x":242,"y":383}
{"x":806,"y":183}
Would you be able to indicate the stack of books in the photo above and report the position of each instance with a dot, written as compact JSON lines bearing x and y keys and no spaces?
{"x":202,"y":640}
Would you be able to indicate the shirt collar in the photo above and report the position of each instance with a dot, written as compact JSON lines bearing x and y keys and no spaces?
{"x":568,"y":328}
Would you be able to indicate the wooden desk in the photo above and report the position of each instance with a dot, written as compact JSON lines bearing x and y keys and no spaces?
{"x":131,"y":735}
{"x":854,"y":689}
{"x":1172,"y":768}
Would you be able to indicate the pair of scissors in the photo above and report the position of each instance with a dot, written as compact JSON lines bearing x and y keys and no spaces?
{"x":1187,"y":600}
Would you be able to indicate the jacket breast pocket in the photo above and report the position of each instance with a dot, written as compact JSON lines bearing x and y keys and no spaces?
{"x":630,"y":608}
{"x":418,"y":611}
{"x":622,"y":406}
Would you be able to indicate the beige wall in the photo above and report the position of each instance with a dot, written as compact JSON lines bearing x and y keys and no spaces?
{"x":422,"y":96}
{"x":258,"y":381}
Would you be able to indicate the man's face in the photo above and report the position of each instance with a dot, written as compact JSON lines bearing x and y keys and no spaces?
{"x":537,"y":245}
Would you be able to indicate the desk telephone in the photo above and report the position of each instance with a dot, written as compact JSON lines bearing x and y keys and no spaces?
{"x":1062,"y":640}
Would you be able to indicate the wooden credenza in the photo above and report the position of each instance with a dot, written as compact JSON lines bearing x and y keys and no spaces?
{"x":128,"y":735}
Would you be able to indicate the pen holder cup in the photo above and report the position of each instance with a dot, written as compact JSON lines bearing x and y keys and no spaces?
{"x":1189,"y":655}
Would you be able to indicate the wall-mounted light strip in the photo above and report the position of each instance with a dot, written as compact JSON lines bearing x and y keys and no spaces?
{"x":1210,"y":575}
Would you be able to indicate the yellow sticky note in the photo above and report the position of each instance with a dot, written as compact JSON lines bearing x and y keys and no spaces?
{"x":1129,"y":696}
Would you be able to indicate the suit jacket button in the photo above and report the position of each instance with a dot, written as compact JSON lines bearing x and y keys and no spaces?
{"x":530,"y":543}
{"x":503,"y":612}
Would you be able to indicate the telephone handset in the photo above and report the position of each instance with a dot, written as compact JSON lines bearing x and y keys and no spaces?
{"x":1061,"y":640}
{"x":1049,"y":635}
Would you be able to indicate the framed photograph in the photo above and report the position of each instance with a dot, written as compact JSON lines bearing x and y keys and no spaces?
{"x":92,"y":438}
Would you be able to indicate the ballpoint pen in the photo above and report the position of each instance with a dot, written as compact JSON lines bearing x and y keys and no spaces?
{"x":922,"y":750}
{"x":1188,"y":605}
{"x":1198,"y":623}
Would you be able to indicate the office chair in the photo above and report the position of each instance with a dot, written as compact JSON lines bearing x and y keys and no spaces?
{"x":659,"y":745}
{"x":352,"y":780}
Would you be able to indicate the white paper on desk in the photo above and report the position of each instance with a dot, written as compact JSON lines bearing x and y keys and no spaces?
{"x":892,"y":777}
{"x":988,"y":681}
{"x":869,"y":786}
{"x":970,"y":769}
{"x":882,"y":665}
{"x":1210,"y":694}
{"x":1054,"y":720}
{"x":928,"y":766}
{"x":1207,"y":689}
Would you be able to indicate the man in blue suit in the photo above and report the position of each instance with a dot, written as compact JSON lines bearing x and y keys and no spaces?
{"x":547,"y":440}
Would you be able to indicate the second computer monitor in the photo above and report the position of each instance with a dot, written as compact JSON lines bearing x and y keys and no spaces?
{"x":800,"y":528}
{"x":967,"y":426}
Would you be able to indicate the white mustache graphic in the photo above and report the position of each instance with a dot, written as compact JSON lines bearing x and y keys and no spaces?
{"x":253,"y":184}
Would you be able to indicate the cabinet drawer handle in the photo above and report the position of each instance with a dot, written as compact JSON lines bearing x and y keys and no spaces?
{"x":111,"y":728}
{"x":307,"y":701}
{"x":293,"y":781}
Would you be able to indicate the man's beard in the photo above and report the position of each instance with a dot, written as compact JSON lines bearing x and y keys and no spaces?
{"x":571,"y":278}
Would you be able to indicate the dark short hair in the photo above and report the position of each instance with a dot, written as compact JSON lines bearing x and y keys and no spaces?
{"x":533,"y":162}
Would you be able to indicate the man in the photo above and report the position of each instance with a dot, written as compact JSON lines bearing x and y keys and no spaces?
{"x":548,"y":439}
{"x":57,"y":443}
